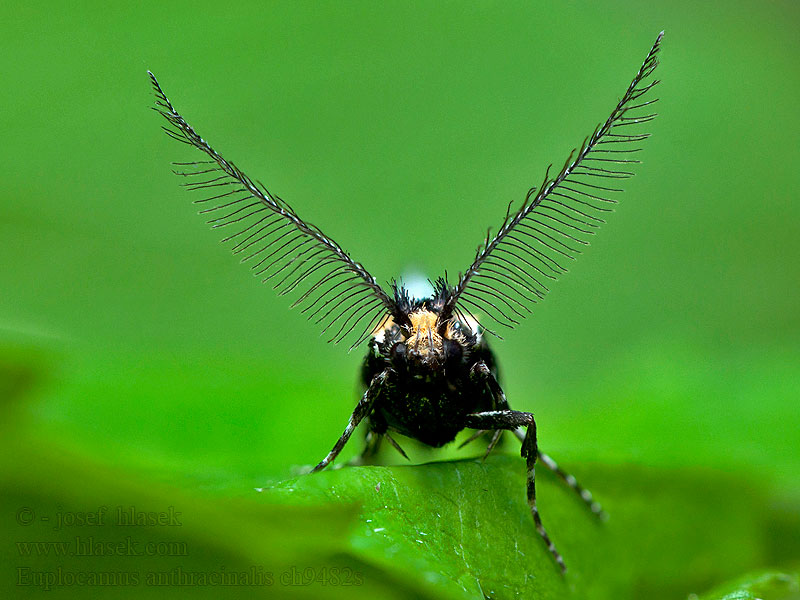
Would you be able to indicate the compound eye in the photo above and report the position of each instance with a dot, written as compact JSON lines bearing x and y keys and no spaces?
{"x":398,"y":355}
{"x":453,"y":352}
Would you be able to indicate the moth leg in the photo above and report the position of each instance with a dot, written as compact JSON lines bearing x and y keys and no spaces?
{"x":395,"y":445}
{"x":372,"y":443}
{"x":570,"y":480}
{"x":492,"y":443}
{"x":363,"y":409}
{"x":478,"y":374}
{"x":497,"y":398}
{"x":480,"y":433}
{"x":472,"y":438}
{"x":371,"y":446}
{"x":512,"y":420}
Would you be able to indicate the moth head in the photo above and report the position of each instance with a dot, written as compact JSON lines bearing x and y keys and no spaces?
{"x":424,"y":342}
{"x":420,"y":336}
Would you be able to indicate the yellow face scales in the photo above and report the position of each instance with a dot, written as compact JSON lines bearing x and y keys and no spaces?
{"x":425,"y":344}
{"x":423,"y":341}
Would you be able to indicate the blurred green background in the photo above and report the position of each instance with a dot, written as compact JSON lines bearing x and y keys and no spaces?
{"x":402,"y":130}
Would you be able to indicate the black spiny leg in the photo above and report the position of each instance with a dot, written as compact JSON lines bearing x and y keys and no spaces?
{"x":511,"y":420}
{"x":363,"y":409}
{"x":570,"y":480}
{"x":480,"y":433}
{"x":372,"y":443}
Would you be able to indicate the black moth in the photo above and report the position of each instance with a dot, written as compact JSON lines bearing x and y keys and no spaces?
{"x":429,"y":373}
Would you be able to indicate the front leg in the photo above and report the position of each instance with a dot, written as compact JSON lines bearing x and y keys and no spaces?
{"x":363,"y":409}
{"x":372,"y":443}
{"x":371,"y":447}
{"x":481,"y":371}
{"x":512,"y":420}
{"x":570,"y":480}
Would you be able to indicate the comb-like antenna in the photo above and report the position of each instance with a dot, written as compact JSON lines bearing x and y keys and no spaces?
{"x":281,"y":247}
{"x":511,"y":269}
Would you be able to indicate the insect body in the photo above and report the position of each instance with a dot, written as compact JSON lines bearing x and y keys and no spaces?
{"x":429,"y":373}
{"x":432,"y":382}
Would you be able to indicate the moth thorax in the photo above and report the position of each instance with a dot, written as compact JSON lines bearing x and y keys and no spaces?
{"x":424,"y":343}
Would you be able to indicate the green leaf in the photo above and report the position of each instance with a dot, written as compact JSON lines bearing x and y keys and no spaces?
{"x":457,"y":529}
{"x":465,"y":527}
{"x":765,"y":585}
{"x":72,"y":524}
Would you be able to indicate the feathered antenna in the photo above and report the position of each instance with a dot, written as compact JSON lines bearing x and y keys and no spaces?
{"x":510,"y":269}
{"x":339,"y":294}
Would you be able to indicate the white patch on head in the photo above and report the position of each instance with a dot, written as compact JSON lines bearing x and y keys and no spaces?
{"x":468,"y":323}
{"x":379,"y":333}
{"x":417,"y":285}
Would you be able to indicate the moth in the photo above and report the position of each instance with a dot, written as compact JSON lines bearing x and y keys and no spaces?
{"x":429,"y":373}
